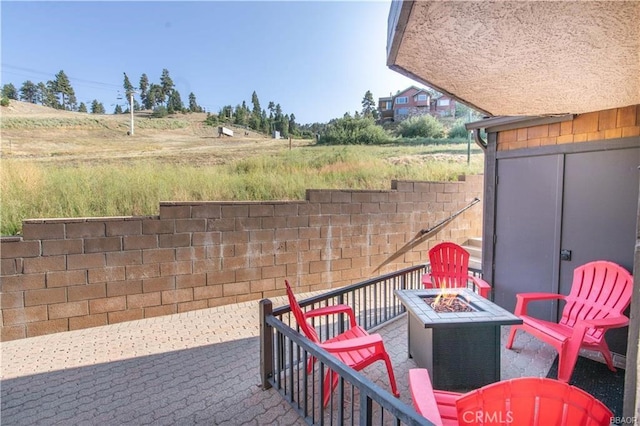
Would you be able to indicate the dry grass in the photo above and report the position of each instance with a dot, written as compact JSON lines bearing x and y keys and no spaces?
{"x":73,"y":165}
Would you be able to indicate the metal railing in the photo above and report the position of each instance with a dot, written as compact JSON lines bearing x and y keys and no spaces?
{"x":286,"y":354}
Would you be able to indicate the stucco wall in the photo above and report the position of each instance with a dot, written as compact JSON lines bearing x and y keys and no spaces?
{"x":67,"y":274}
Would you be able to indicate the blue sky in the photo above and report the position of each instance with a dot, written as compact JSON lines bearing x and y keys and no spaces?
{"x":317,"y":59}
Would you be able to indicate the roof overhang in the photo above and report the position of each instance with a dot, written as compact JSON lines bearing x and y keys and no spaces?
{"x":521,"y":57}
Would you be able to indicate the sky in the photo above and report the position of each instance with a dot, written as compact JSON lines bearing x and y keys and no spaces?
{"x":315,"y":58}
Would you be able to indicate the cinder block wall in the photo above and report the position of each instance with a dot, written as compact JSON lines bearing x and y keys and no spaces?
{"x":68,"y":274}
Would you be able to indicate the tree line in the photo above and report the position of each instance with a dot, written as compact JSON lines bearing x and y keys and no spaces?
{"x":58,"y":93}
{"x":257,"y":118}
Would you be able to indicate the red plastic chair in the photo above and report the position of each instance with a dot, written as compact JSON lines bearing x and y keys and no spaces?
{"x":450,"y":269}
{"x":531,"y":401}
{"x":600,"y":293}
{"x":355,"y":347}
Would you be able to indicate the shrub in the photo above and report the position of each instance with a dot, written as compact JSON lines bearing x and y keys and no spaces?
{"x":424,"y":126}
{"x":353,"y":131}
{"x":458,"y":131}
{"x":160,"y":112}
{"x":4,"y":101}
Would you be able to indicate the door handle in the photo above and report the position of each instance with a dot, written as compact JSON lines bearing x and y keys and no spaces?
{"x":565,"y":254}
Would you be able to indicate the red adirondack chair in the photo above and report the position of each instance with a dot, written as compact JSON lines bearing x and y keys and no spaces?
{"x":450,"y":269}
{"x":533,"y":401}
{"x":600,"y":293}
{"x":355,"y":347}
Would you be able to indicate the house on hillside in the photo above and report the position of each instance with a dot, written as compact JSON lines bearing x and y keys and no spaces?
{"x":562,"y":149}
{"x":414,"y":101}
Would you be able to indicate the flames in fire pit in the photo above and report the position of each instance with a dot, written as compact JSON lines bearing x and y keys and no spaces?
{"x":450,"y":303}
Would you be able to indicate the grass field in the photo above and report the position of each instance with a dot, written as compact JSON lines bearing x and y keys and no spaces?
{"x":61,"y":164}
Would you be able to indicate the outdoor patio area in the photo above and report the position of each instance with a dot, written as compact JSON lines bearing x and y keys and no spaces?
{"x":200,"y":367}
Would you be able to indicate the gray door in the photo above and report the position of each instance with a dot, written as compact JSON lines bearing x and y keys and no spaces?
{"x":599,"y":215}
{"x":528,"y":205}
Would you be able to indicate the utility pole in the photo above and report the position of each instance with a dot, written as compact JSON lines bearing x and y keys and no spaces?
{"x":131,"y":111}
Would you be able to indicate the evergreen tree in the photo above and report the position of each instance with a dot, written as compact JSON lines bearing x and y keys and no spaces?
{"x":82,"y":107}
{"x":118,"y":109}
{"x":29,"y":92}
{"x":166,"y":84}
{"x":255,"y":122}
{"x":154,"y":96}
{"x":272,"y":108}
{"x":9,"y":91}
{"x":226,"y":113}
{"x":48,"y":94}
{"x":369,"y":109}
{"x":174,"y":103}
{"x":63,"y":88}
{"x":97,"y":107}
{"x":72,"y":103}
{"x":144,"y":90}
{"x":241,"y":115}
{"x":292,"y":124}
{"x":193,"y":105}
{"x":128,"y":87}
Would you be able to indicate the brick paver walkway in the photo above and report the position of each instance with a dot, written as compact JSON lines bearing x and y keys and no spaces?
{"x":198,"y":367}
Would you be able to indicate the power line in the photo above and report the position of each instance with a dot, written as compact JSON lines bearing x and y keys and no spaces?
{"x":98,"y":84}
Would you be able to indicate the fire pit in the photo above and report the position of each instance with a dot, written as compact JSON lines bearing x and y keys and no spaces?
{"x":461,"y":349}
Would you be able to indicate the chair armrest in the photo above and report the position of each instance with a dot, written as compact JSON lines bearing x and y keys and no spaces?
{"x":540,"y":296}
{"x":483,"y":287}
{"x":606,"y":323}
{"x":522,"y":299}
{"x":353,"y":344}
{"x":332,"y":310}
{"x":422,"y":395}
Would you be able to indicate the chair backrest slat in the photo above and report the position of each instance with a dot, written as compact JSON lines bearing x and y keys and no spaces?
{"x":534,"y":401}
{"x":449,"y":265}
{"x":308,"y":330}
{"x":599,"y":289}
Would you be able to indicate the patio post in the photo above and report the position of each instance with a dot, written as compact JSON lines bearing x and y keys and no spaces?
{"x":266,"y":344}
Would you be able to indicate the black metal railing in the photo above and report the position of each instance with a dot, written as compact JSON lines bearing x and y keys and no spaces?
{"x":285,"y":355}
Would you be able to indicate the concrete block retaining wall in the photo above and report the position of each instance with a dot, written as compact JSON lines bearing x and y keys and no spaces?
{"x":68,"y":274}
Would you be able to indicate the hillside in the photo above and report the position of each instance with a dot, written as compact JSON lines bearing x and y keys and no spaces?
{"x":38,"y":133}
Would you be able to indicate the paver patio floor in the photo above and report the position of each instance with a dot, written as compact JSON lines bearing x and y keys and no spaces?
{"x":199,"y":367}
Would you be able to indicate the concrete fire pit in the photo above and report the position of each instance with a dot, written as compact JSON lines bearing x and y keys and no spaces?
{"x":461,"y":350}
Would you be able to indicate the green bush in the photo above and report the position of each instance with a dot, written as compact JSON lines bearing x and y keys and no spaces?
{"x":160,"y":112}
{"x":458,"y":131}
{"x":4,"y":101}
{"x":353,"y":131}
{"x":424,"y":126}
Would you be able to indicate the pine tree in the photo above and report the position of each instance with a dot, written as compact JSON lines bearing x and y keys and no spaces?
{"x":48,"y":94}
{"x":144,"y":90}
{"x":166,"y":84}
{"x":154,"y":96}
{"x":292,"y":124}
{"x":82,"y":107}
{"x":63,"y":87}
{"x":29,"y":92}
{"x":9,"y":91}
{"x":369,"y":109}
{"x":118,"y":109}
{"x":128,"y":87}
{"x":193,"y":105}
{"x":174,"y":103}
{"x":97,"y":107}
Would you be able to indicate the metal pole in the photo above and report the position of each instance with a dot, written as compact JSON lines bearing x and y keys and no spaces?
{"x":469,"y":143}
{"x":266,"y":344}
{"x":131,"y":111}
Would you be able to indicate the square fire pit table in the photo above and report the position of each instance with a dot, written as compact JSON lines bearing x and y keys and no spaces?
{"x":461,"y":350}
